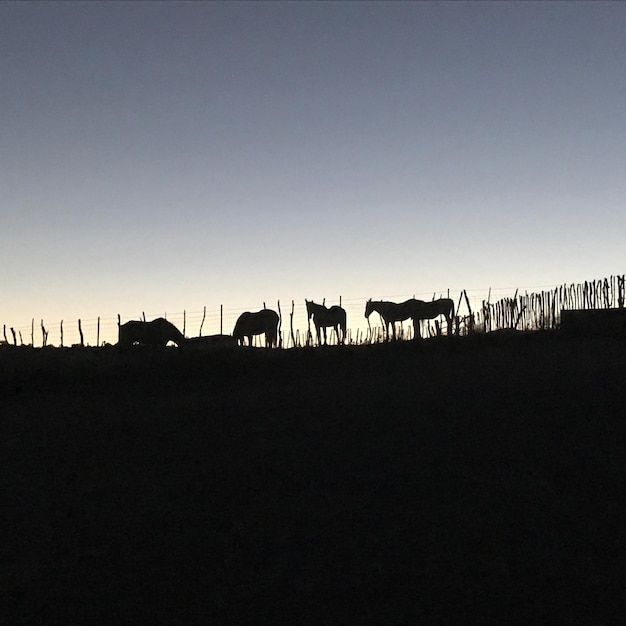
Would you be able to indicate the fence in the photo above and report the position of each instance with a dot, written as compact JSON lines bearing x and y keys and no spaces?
{"x":542,"y":311}
{"x":530,"y":311}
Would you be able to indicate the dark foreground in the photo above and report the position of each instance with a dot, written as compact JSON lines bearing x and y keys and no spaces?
{"x":475,"y":481}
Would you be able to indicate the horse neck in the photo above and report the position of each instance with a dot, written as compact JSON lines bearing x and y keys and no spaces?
{"x":381,"y":307}
{"x":317,"y":308}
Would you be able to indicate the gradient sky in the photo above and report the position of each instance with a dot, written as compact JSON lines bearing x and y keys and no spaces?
{"x":167,"y":156}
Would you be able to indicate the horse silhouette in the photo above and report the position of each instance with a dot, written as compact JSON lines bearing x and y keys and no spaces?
{"x":261,"y":322}
{"x":156,"y":333}
{"x":324,"y":317}
{"x":392,"y":312}
{"x":435,"y":308}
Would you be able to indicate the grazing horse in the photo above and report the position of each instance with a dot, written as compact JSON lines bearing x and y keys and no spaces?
{"x":431,"y":310}
{"x":156,"y":334}
{"x":392,"y":312}
{"x":324,"y":317}
{"x":264,"y":321}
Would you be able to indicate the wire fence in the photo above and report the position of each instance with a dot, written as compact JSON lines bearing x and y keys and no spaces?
{"x":477,"y":310}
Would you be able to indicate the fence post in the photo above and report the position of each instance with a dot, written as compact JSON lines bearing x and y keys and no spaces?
{"x":202,"y":322}
{"x":98,"y":333}
{"x":221,"y":319}
{"x":293,"y":337}
{"x":80,"y":332}
{"x":61,"y":333}
{"x":32,"y":332}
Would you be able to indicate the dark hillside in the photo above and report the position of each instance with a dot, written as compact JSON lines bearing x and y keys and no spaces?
{"x":467,"y":481}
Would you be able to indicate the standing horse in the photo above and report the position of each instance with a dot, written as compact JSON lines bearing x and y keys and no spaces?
{"x":392,"y":312}
{"x":249,"y":324}
{"x":156,"y":334}
{"x":431,"y":310}
{"x":324,"y":317}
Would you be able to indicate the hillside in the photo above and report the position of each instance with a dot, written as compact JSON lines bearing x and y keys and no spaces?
{"x":473,"y":480}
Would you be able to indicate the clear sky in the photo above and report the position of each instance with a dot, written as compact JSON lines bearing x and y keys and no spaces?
{"x":166,"y":156}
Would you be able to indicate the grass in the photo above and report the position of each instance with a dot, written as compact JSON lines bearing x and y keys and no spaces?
{"x":472,"y":480}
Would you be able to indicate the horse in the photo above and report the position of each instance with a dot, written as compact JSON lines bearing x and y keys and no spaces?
{"x":324,"y":317}
{"x":392,"y":312}
{"x":156,"y":333}
{"x":212,"y":342}
{"x":264,"y":321}
{"x":433,"y":309}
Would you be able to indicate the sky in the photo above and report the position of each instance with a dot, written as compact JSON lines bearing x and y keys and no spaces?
{"x":163,"y":157}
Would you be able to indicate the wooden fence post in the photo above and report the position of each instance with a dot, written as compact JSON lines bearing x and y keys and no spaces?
{"x":98,"y":333}
{"x":80,"y":332}
{"x":44,"y":334}
{"x":221,"y":319}
{"x":61,"y":333}
{"x":202,"y":322}
{"x":309,"y":337}
{"x":293,"y":337}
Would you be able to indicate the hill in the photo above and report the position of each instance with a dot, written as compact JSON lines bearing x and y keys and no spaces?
{"x":472,"y":480}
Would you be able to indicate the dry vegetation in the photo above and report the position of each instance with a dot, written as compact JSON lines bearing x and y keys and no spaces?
{"x":469,"y":480}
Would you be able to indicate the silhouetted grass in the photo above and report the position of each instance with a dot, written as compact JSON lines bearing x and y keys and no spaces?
{"x":463,"y":480}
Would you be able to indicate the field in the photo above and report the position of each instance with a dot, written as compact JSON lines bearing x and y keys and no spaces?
{"x":465,"y":480}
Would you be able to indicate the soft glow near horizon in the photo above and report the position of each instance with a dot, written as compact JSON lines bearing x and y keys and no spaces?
{"x":164,"y":157}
